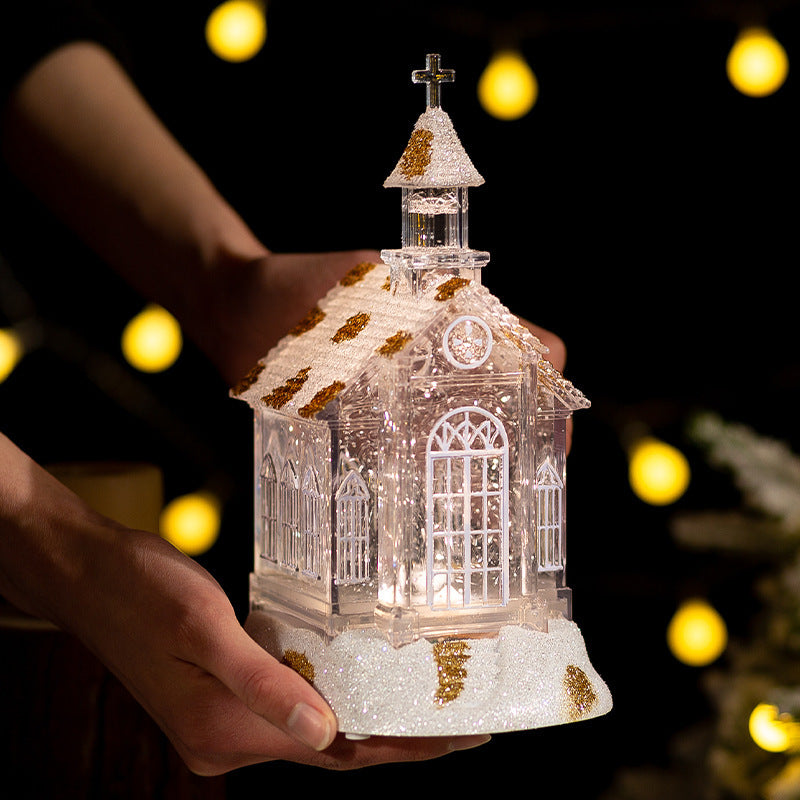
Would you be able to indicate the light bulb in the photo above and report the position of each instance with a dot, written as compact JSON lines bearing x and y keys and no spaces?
{"x":697,"y":634}
{"x":152,"y":340}
{"x":508,"y":89}
{"x":237,"y":29}
{"x":757,"y":64}
{"x":771,"y":730}
{"x":191,"y":522}
{"x":658,"y":473}
{"x":11,"y":350}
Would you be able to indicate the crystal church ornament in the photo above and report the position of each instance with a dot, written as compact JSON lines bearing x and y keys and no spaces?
{"x":410,"y":492}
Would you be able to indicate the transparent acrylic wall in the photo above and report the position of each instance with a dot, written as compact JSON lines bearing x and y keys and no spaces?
{"x":459,"y":547}
{"x":437,"y":482}
{"x":435,"y":217}
{"x":292,"y":564}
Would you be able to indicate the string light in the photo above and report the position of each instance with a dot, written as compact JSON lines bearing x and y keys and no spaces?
{"x":757,"y":64}
{"x":152,"y":340}
{"x":507,"y":88}
{"x":697,"y":634}
{"x":191,"y":522}
{"x":11,"y":350}
{"x":237,"y":29}
{"x":772,"y":730}
{"x":658,"y":473}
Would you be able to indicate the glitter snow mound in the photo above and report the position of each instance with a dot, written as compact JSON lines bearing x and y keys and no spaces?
{"x":517,"y":680}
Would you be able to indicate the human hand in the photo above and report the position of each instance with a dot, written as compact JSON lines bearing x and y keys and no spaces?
{"x":254,"y":303}
{"x":171,"y":637}
{"x":165,"y":628}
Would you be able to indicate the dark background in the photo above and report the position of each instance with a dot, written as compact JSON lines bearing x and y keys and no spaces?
{"x":644,"y":211}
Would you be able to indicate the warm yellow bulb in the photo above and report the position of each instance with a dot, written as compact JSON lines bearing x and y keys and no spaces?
{"x":152,"y":340}
{"x":771,"y":730}
{"x":191,"y":522}
{"x":757,"y":63}
{"x":508,"y":89}
{"x":237,"y":29}
{"x":11,"y":350}
{"x":697,"y":634}
{"x":658,"y":473}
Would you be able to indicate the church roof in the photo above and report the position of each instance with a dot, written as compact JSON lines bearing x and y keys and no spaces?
{"x":434,"y":156}
{"x":361,"y":319}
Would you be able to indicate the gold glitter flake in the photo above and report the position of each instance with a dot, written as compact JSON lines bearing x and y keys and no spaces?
{"x":279,"y":397}
{"x":248,"y":380}
{"x":351,"y":328}
{"x":310,"y":320}
{"x":394,"y":344}
{"x":417,"y":154}
{"x":321,"y":399}
{"x":448,"y":289}
{"x":357,"y":273}
{"x":450,"y":656}
{"x":300,"y":664}
{"x":387,"y":284}
{"x":580,"y":695}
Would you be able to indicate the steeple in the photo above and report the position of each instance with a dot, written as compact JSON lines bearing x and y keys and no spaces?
{"x":434,"y":173}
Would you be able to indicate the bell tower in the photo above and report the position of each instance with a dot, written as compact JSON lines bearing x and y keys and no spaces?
{"x":434,"y":174}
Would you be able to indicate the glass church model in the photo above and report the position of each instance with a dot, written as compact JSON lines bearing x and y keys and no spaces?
{"x":410,"y":490}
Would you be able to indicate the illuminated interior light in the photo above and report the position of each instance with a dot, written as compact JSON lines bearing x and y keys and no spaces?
{"x":697,"y":634}
{"x":757,"y":64}
{"x":11,"y":351}
{"x":191,"y":522}
{"x":152,"y":340}
{"x":237,"y":29}
{"x":658,"y":473}
{"x":508,"y":88}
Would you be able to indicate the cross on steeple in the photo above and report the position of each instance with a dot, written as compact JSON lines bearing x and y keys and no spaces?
{"x":432,"y":76}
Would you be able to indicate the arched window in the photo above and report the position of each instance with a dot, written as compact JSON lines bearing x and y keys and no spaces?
{"x":352,"y":530}
{"x":549,"y":490}
{"x":311,"y":524}
{"x":289,"y":515}
{"x":467,"y":508}
{"x":268,"y":544}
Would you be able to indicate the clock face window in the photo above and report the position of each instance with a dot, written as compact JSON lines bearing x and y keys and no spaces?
{"x":467,"y":342}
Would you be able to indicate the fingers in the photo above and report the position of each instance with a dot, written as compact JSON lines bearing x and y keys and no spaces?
{"x":557,"y":357}
{"x":345,"y":754}
{"x":269,"y":689}
{"x":558,"y":350}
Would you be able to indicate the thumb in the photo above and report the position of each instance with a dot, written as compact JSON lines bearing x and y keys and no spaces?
{"x":270,"y":689}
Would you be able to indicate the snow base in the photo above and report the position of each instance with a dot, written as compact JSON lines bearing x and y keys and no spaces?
{"x":517,"y":680}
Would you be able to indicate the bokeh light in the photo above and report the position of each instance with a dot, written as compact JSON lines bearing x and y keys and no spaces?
{"x":191,"y":522}
{"x":11,"y":350}
{"x":152,"y":340}
{"x":757,"y":64}
{"x":773,"y":731}
{"x":697,"y":634}
{"x":237,"y":29}
{"x":508,"y":89}
{"x":659,"y":473}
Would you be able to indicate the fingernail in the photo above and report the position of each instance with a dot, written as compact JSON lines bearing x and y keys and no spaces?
{"x":310,"y":726}
{"x":468,"y":742}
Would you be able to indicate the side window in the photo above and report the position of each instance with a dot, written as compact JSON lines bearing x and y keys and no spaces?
{"x":268,"y":544}
{"x":549,"y":492}
{"x":352,"y":530}
{"x":311,"y":524}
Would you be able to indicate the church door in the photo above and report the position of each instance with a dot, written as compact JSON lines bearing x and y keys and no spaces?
{"x":467,"y":510}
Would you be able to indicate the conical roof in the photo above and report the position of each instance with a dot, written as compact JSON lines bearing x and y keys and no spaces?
{"x":434,"y":156}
